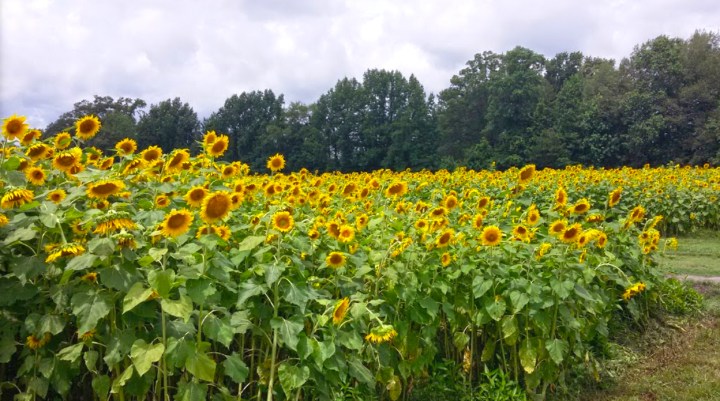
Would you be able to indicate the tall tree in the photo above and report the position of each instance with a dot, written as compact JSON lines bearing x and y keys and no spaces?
{"x":118,"y":119}
{"x":170,"y":124}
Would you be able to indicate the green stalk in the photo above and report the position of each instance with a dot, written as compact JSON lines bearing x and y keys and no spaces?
{"x":164,"y":357}
{"x":273,"y":350}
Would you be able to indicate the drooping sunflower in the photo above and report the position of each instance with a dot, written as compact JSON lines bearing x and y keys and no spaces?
{"x":283,"y":221}
{"x":35,"y":175}
{"x":341,"y":308}
{"x":491,"y":236}
{"x":445,"y":238}
{"x":396,"y":189}
{"x":218,"y":147}
{"x":38,"y":151}
{"x":526,"y":174}
{"x":614,"y":197}
{"x":104,"y":188}
{"x":106,"y":163}
{"x":3,"y":220}
{"x":276,"y":163}
{"x":381,"y":334}
{"x":126,"y":147}
{"x":194,"y":197}
{"x":14,"y":127}
{"x":177,"y":160}
{"x":581,"y":206}
{"x":114,"y":222}
{"x":68,"y":161}
{"x":30,"y":136}
{"x":62,"y":140}
{"x":347,"y":234}
{"x":17,"y":198}
{"x":125,"y":240}
{"x":335,"y":259}
{"x":572,"y":233}
{"x":216,"y":206}
{"x":87,"y":127}
{"x":71,"y":249}
{"x":176,"y":223}
{"x":151,"y":154}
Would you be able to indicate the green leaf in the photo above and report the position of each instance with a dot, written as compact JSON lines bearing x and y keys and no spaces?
{"x":273,"y":273}
{"x":235,"y":368}
{"x":557,"y":349}
{"x":528,"y":356}
{"x":39,"y":386}
{"x":480,"y":286}
{"x":91,"y":358}
{"x":101,"y":386}
{"x":240,"y":321}
{"x":135,"y":296}
{"x":218,"y":330}
{"x":7,"y":348}
{"x":201,"y":366}
{"x":53,"y":324}
{"x":192,"y":391}
{"x":518,"y":300}
{"x":488,"y":350}
{"x":71,"y":353}
{"x":292,"y":377}
{"x":121,"y":380}
{"x":360,"y":372}
{"x":249,"y":243}
{"x":101,"y":246}
{"x":495,"y":308}
{"x":248,"y":290}
{"x":394,"y":387}
{"x":199,"y":290}
{"x":509,"y":329}
{"x":297,"y":295}
{"x":21,"y":234}
{"x":81,"y":262}
{"x":157,"y":253}
{"x":460,"y":340}
{"x":288,"y":329}
{"x":144,"y":355}
{"x":161,"y":281}
{"x":90,"y":307}
{"x":181,"y":308}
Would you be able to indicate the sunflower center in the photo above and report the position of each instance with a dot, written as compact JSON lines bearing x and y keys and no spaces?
{"x":176,"y":221}
{"x":87,"y":126}
{"x":14,"y":127}
{"x":217,"y":206}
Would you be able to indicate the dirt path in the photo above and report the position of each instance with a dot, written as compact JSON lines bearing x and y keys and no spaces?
{"x":699,"y":279}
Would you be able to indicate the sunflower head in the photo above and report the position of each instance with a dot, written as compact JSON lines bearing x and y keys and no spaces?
{"x":35,"y":175}
{"x":104,"y":188}
{"x":30,"y":136}
{"x":126,"y":147}
{"x":444,"y":238}
{"x":16,"y":198}
{"x":335,"y":259}
{"x":151,"y":154}
{"x":614,"y":197}
{"x":526,"y":174}
{"x":218,"y":147}
{"x":347,"y":233}
{"x":176,"y":223}
{"x":283,"y":221}
{"x":582,"y":206}
{"x":14,"y":127}
{"x":276,"y":163}
{"x":491,"y":236}
{"x":62,"y":140}
{"x":87,"y":127}
{"x":216,"y":206}
{"x":194,"y":197}
{"x":340,"y":310}
{"x":38,"y":151}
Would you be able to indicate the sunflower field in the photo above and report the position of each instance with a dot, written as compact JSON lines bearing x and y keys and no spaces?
{"x":156,"y":274}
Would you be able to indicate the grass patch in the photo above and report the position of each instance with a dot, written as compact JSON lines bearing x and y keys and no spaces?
{"x":697,"y":255}
{"x":681,"y":364}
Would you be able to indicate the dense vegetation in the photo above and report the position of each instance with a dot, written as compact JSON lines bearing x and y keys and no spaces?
{"x":660,"y":104}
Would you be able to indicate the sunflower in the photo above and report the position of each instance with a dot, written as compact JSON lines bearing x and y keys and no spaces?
{"x":560,"y":197}
{"x":450,"y":202}
{"x":313,"y":233}
{"x":421,"y":225}
{"x":125,"y":240}
{"x":71,"y":249}
{"x":582,"y":206}
{"x":361,"y":221}
{"x":223,"y":232}
{"x":38,"y":151}
{"x":218,"y":147}
{"x":276,"y":163}
{"x":601,"y":240}
{"x":3,"y":220}
{"x":637,"y":214}
{"x":88,"y":335}
{"x":543,"y":249}
{"x":34,"y":343}
{"x":216,"y":206}
{"x":572,"y":233}
{"x":177,"y":160}
{"x":335,"y":259}
{"x":341,"y":308}
{"x":133,"y":165}
{"x":209,"y":138}
{"x":14,"y":127}
{"x":68,"y":161}
{"x":557,"y":227}
{"x":381,"y":334}
{"x":522,"y":233}
{"x":491,"y":236}
{"x":106,"y":163}
{"x":115,"y":222}
{"x":445,"y":238}
{"x":162,"y":201}
{"x":62,"y":140}
{"x":35,"y":175}
{"x":126,"y":147}
{"x":614,"y":197}
{"x":176,"y":223}
{"x":347,"y":234}
{"x":228,"y":171}
{"x":526,"y":174}
{"x":104,"y":188}
{"x":283,"y":221}
{"x":30,"y":136}
{"x":90,"y":277}
{"x":151,"y":154}
{"x":17,"y":198}
{"x":396,"y":189}
{"x":533,"y":216}
{"x":194,"y":197}
{"x":438,"y":212}
{"x":445,"y":259}
{"x":483,"y":202}
{"x":87,"y":127}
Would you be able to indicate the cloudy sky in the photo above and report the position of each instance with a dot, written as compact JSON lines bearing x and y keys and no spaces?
{"x":56,"y":53}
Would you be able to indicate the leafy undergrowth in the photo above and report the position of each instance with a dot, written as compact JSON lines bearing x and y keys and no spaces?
{"x":675,"y":360}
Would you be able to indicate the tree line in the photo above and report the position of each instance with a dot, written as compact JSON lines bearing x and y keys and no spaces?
{"x":659,"y":105}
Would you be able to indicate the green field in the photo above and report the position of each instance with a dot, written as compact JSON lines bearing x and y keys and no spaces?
{"x":698,"y":255}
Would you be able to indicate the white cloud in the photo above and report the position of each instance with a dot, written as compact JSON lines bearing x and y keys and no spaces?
{"x":55,"y":53}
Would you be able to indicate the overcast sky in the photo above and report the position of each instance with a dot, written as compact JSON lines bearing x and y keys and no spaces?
{"x":56,"y":53}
